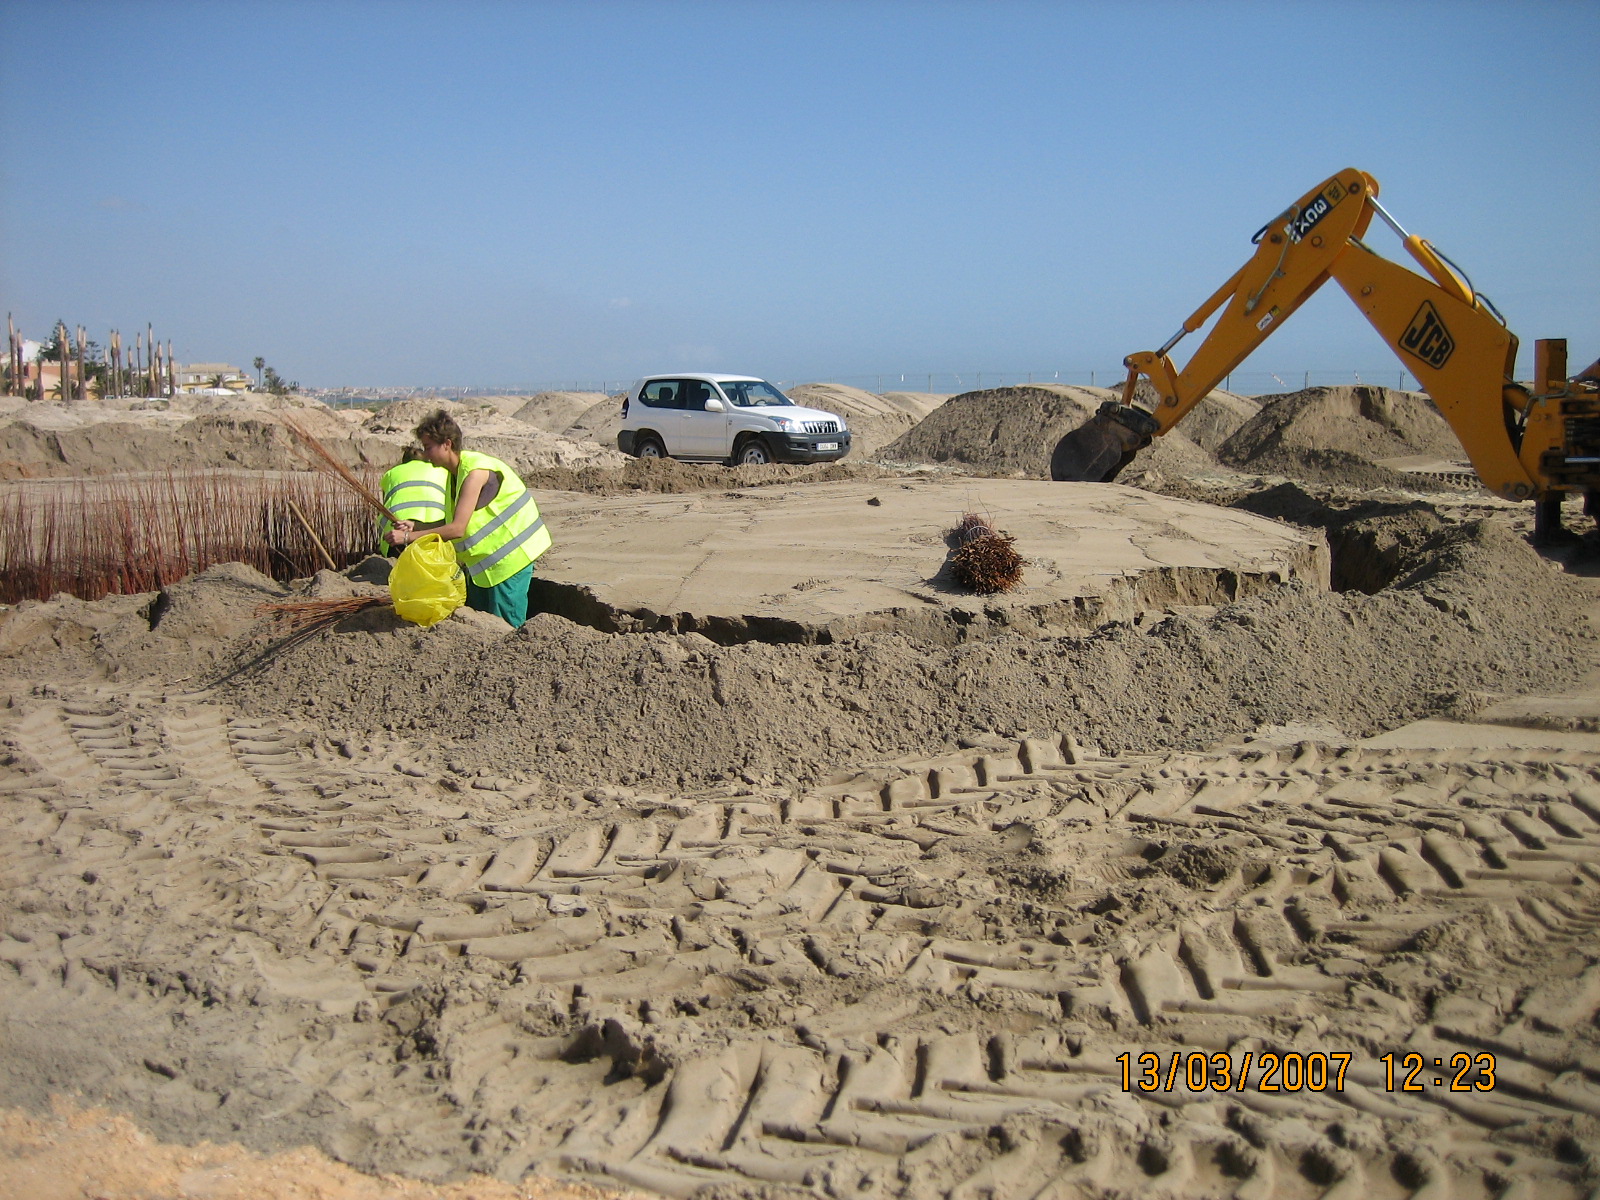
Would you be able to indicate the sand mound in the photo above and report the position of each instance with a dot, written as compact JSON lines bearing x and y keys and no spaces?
{"x":556,"y":412}
{"x":401,"y":417}
{"x":820,"y":563}
{"x":599,"y":477}
{"x":1210,"y":422}
{"x":874,"y":421}
{"x":536,"y":451}
{"x":1335,"y":434}
{"x":1003,"y":429}
{"x":1013,"y":431}
{"x":599,"y":422}
{"x":1339,"y":433}
{"x":783,"y":713}
{"x":490,"y":429}
{"x":53,"y":440}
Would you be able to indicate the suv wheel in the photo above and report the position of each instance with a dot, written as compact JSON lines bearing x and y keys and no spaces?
{"x":753,"y":453}
{"x":649,"y":447}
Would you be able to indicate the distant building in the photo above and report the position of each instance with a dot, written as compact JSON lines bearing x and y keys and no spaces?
{"x":38,"y":376}
{"x":210,"y":377}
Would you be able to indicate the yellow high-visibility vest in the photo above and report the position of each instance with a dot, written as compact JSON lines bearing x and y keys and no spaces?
{"x":414,"y":491}
{"x":504,"y":536}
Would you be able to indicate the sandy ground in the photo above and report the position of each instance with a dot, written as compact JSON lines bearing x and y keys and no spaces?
{"x":71,"y":1154}
{"x":822,"y":561}
{"x":721,"y":909}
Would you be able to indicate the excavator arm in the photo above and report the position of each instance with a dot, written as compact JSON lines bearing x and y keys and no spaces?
{"x":1447,"y":335}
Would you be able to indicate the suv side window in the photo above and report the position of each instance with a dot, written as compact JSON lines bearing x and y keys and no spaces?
{"x":696,"y":392}
{"x":662,"y":393}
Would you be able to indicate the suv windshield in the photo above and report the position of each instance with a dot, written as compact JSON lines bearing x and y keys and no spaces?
{"x":753,"y":393}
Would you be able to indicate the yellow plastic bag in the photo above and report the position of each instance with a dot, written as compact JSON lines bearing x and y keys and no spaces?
{"x":427,"y":583}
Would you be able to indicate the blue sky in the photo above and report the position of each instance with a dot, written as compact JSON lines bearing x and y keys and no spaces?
{"x":494,"y":194}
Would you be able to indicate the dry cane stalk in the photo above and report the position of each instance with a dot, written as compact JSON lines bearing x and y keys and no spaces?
{"x":312,"y":533}
{"x":323,"y":460}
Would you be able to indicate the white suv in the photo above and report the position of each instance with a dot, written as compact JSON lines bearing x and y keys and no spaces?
{"x":725,"y":418}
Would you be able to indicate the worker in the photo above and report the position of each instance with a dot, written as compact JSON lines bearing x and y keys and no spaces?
{"x":494,"y":521}
{"x":414,"y":490}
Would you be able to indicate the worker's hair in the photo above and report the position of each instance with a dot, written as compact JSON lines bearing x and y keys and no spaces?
{"x":440,"y":427}
{"x":412,"y":453}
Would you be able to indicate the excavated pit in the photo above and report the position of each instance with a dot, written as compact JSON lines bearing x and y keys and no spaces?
{"x":821,"y":563}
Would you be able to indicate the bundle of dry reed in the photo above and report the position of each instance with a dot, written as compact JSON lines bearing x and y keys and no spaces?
{"x":985,"y":561}
{"x":305,"y":617}
{"x":139,"y":533}
{"x":323,"y":460}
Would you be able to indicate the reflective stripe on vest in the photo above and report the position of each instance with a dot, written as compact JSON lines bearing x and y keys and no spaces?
{"x":414,"y":491}
{"x":432,"y":496}
{"x":506,"y":535}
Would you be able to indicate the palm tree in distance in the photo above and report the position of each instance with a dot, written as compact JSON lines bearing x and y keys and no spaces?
{"x":258,"y":364}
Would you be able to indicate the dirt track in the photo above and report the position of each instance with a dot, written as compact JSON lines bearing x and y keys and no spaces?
{"x":871,"y":919}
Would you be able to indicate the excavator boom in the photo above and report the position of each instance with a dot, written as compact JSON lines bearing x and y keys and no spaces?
{"x":1524,"y":445}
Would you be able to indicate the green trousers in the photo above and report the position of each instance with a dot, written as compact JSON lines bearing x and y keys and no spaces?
{"x":507,"y":599}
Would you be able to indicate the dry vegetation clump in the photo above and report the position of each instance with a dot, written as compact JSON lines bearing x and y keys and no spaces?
{"x":986,"y":561}
{"x":302,"y":618}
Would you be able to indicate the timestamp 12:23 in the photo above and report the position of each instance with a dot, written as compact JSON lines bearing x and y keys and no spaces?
{"x":1467,"y":1072}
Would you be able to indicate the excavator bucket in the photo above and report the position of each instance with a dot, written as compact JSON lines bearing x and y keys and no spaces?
{"x":1098,"y":450}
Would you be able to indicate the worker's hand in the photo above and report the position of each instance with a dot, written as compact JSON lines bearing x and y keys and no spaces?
{"x":401,"y":533}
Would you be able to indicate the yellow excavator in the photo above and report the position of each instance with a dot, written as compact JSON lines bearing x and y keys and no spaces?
{"x":1525,"y":443}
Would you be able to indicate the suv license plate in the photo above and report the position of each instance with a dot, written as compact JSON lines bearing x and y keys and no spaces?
{"x":827,"y":445}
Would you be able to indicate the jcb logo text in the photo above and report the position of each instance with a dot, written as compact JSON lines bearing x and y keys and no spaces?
{"x":1427,"y":338}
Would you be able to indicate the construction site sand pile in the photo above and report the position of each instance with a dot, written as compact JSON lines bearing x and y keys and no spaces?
{"x":873,"y":420}
{"x":599,"y":422}
{"x":1213,"y":420}
{"x":490,"y":429}
{"x":51,"y":439}
{"x":556,"y":412}
{"x":1013,"y":430}
{"x":1340,"y":434}
{"x":42,"y":440}
{"x":782,"y":715}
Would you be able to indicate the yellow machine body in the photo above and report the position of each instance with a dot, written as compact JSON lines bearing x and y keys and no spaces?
{"x":1525,"y":445}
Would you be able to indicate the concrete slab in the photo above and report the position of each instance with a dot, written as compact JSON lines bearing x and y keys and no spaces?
{"x":818,"y":562}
